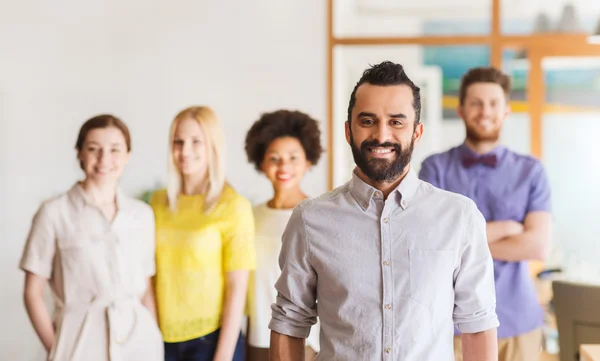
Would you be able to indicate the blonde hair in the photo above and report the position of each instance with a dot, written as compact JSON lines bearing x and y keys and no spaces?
{"x":213,"y":136}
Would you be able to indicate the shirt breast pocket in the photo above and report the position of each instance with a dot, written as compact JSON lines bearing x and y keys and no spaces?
{"x":73,"y":245}
{"x":77,"y":257}
{"x":431,"y":274}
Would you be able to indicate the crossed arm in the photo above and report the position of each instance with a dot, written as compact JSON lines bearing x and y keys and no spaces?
{"x":513,"y":241}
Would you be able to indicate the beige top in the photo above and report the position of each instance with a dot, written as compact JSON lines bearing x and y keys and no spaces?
{"x":269,"y":224}
{"x":98,"y":272}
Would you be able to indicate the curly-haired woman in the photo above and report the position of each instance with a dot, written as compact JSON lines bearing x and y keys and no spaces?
{"x":283,"y":145}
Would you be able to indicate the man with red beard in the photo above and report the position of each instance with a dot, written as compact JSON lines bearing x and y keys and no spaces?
{"x":388,"y":262}
{"x":512,"y":192}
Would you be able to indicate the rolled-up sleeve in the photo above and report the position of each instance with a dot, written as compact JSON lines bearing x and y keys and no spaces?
{"x":539,"y":194}
{"x":475,"y":297}
{"x":294,"y":311}
{"x":239,"y":253}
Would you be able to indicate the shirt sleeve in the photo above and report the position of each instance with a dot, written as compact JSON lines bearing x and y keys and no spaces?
{"x":475,"y":295}
{"x":428,"y":172}
{"x":238,"y":236}
{"x":539,"y":193}
{"x":40,"y":247}
{"x":149,"y":243}
{"x":295,"y":310}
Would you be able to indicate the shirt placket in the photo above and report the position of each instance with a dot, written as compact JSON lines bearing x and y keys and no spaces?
{"x":388,"y":284}
{"x":110,"y":242}
{"x":477,"y":178}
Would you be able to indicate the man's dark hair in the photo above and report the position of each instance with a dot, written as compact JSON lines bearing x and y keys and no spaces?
{"x":387,"y":73}
{"x":283,"y":123}
{"x":483,"y":75}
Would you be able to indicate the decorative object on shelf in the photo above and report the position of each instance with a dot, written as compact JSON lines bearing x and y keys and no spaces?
{"x":521,"y":54}
{"x":542,"y":24}
{"x":595,"y":37}
{"x":569,"y":22}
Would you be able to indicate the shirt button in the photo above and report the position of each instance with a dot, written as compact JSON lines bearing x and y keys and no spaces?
{"x":388,"y":307}
{"x":388,"y":350}
{"x":385,"y":220}
{"x":386,"y":263}
{"x":403,"y":203}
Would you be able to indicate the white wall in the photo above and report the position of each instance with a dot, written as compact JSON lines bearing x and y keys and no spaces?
{"x":64,"y":61}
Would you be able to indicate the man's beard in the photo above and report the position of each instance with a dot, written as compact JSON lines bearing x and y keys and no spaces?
{"x":381,"y":170}
{"x":475,"y":135}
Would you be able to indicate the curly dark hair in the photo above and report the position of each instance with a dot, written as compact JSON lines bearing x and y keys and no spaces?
{"x":387,"y":73}
{"x":283,"y":123}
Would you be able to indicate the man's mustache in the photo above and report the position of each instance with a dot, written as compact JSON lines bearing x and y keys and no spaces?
{"x":373,"y":143}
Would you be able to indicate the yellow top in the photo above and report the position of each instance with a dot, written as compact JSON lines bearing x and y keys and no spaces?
{"x":194,"y":251}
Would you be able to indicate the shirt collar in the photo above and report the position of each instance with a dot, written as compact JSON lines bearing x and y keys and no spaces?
{"x":78,"y":197}
{"x":402,"y":194}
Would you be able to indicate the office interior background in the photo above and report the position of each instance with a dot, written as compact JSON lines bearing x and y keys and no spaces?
{"x":63,"y":61}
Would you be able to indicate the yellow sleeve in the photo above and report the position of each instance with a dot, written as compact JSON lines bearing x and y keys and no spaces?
{"x":157,"y":199}
{"x":238,"y":236}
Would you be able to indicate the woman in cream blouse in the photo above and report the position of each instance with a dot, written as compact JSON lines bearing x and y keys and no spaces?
{"x":95,"y":248}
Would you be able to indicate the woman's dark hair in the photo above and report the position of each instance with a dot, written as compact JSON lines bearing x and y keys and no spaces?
{"x":283,"y":123}
{"x":102,"y":121}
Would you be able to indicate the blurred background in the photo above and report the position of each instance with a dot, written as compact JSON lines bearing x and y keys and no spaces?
{"x":63,"y":61}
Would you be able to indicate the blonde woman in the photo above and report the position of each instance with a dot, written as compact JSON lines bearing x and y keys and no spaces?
{"x":205,"y":246}
{"x":94,"y":246}
{"x":282,"y":145}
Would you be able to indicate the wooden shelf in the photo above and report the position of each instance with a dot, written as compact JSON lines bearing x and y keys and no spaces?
{"x":418,"y":40}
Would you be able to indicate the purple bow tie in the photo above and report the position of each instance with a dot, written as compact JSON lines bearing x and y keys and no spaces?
{"x":489,"y":160}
